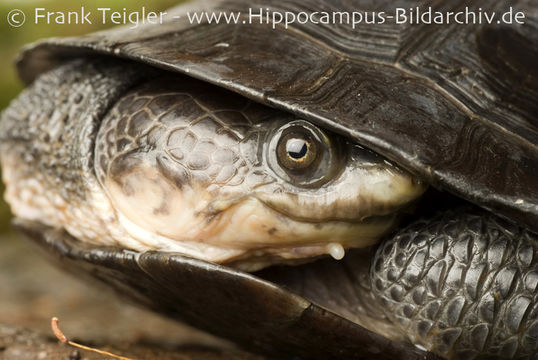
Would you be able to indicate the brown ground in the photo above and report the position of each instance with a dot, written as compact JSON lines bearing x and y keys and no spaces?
{"x":32,"y":292}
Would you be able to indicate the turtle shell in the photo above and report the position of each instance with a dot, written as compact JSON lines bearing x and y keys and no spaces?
{"x":455,"y":104}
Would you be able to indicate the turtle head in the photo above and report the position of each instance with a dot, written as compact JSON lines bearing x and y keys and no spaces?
{"x":178,"y":165}
{"x":187,"y":164}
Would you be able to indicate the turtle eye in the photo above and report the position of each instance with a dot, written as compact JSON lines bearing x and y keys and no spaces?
{"x":297,"y":150}
{"x":303,"y":154}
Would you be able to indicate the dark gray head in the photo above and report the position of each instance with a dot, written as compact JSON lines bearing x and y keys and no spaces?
{"x":179,"y":165}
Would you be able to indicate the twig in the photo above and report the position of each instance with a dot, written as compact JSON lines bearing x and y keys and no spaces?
{"x":60,"y":335}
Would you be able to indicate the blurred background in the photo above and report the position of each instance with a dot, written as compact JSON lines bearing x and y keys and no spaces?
{"x":31,"y":290}
{"x":14,"y":38}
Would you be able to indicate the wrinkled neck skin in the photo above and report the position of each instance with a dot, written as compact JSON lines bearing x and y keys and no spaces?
{"x":118,"y":154}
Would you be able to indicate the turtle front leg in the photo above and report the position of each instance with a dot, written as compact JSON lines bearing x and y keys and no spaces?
{"x":463,"y":285}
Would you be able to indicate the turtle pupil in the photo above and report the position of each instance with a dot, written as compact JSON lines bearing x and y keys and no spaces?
{"x":296,"y":148}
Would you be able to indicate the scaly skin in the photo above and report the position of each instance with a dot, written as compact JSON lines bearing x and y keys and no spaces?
{"x":463,"y":284}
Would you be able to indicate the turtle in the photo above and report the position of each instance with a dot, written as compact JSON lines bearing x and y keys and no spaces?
{"x":311,"y":189}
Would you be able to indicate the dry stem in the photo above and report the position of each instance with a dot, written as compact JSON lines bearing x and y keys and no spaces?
{"x":60,"y":335}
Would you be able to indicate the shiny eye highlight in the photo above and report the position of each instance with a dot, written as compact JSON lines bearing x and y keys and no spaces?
{"x":303,"y":154}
